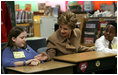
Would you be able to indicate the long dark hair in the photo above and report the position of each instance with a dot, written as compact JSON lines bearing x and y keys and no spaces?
{"x":14,"y":32}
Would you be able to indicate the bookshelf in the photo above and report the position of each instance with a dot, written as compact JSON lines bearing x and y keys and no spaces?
{"x":25,"y":24}
{"x":28,"y":27}
{"x":24,"y":19}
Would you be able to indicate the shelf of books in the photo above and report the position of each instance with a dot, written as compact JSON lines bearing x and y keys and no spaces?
{"x":24,"y":18}
{"x":93,"y":28}
{"x":89,"y":33}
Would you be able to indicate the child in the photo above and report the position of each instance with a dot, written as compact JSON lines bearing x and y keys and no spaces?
{"x":108,"y":42}
{"x":17,"y":52}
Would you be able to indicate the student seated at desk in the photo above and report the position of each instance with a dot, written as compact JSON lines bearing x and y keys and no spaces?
{"x":108,"y":42}
{"x":66,"y":40}
{"x":17,"y":52}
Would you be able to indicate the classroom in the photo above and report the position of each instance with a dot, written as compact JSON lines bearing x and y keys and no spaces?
{"x":59,"y":37}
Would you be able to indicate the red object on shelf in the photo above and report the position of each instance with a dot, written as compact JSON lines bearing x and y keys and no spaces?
{"x":95,"y":3}
{"x":38,"y":13}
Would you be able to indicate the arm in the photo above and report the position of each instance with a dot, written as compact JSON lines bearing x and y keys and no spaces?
{"x":23,"y":63}
{"x":28,"y":62}
{"x":51,"y":52}
{"x":7,"y":58}
{"x":84,"y":49}
{"x":99,"y":46}
{"x":80,"y":47}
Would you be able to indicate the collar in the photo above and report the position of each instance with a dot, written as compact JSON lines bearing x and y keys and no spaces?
{"x":74,"y":33}
{"x":114,"y":40}
{"x":111,"y":41}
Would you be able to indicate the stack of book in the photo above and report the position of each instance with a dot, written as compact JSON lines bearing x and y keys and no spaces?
{"x":23,"y":17}
{"x":90,"y":32}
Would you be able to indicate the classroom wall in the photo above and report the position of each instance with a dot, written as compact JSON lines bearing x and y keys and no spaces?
{"x":35,"y":4}
{"x":95,"y":3}
{"x":98,"y":3}
{"x":63,"y":4}
{"x":22,"y":4}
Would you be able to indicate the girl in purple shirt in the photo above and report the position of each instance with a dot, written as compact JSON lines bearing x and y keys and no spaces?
{"x":17,"y":52}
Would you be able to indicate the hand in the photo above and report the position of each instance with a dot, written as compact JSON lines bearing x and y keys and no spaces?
{"x":29,"y":61}
{"x":92,"y":48}
{"x":32,"y":61}
{"x":42,"y":56}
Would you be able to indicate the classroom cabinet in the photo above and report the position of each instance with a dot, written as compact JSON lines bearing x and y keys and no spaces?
{"x":36,"y":22}
{"x":47,"y":26}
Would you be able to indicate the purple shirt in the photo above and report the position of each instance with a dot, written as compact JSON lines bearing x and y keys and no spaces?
{"x":8,"y":57}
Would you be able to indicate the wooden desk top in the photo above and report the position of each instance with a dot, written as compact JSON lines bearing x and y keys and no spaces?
{"x":85,"y":56}
{"x":41,"y":67}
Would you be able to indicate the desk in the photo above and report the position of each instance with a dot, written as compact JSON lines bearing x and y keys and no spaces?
{"x":87,"y":62}
{"x":51,"y":67}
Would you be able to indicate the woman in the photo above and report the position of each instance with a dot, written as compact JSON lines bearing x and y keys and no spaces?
{"x":17,"y":52}
{"x":66,"y":40}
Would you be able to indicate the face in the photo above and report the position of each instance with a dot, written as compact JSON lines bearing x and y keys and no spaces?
{"x":20,"y":40}
{"x":110,"y":32}
{"x":65,"y":30}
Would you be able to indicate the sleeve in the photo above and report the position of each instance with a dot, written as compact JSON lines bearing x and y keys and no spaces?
{"x":51,"y":50}
{"x":8,"y":58}
{"x":78,"y":32}
{"x":82,"y":48}
{"x":99,"y":46}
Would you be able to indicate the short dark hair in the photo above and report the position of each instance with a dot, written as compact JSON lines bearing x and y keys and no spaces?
{"x":113,"y":24}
